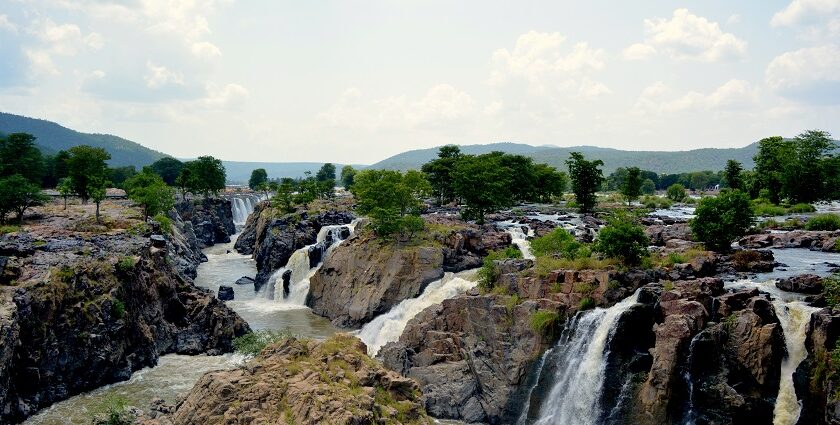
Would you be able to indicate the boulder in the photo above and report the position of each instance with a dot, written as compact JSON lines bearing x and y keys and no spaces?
{"x":212,"y":219}
{"x":244,"y":280}
{"x":804,"y":283}
{"x":225,"y":293}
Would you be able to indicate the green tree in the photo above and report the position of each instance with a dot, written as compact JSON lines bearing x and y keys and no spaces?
{"x":258,"y":178}
{"x":722,"y":219}
{"x":732,"y":174}
{"x":98,"y":190}
{"x":586,"y":178}
{"x":803,"y":174}
{"x":648,"y":187}
{"x":185,"y":181}
{"x":285,"y":196}
{"x":17,"y":194}
{"x":119,"y":175}
{"x":483,"y":184}
{"x":549,"y":183}
{"x":205,"y":176}
{"x":632,"y":187}
{"x":522,"y":179}
{"x":86,"y":164}
{"x":558,"y":242}
{"x":326,"y":174}
{"x":65,"y":188}
{"x":676,"y":192}
{"x":347,"y":174}
{"x":440,"y":171}
{"x":55,"y":168}
{"x":168,"y":169}
{"x":19,"y":155}
{"x":770,"y":165}
{"x":624,"y":239}
{"x":390,"y":200}
{"x":150,"y":191}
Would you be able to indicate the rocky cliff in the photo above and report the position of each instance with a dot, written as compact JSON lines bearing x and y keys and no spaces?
{"x":302,"y":382}
{"x":817,"y":378}
{"x":211,"y":219}
{"x":82,"y":309}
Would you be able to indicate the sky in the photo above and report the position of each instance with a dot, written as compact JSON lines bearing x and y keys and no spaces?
{"x":358,"y":81}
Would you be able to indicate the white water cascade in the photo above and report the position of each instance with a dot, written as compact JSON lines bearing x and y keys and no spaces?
{"x":299,"y":265}
{"x":519,"y":237}
{"x":580,"y":361}
{"x":242,"y":208}
{"x":388,"y":327}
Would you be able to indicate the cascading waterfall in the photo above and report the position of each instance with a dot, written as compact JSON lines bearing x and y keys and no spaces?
{"x":519,"y":237}
{"x":242,"y":207}
{"x":301,"y":269}
{"x":388,"y":327}
{"x":580,"y":361}
{"x":794,"y":317}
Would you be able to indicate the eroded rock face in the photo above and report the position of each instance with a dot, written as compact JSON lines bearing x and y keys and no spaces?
{"x":211,"y":218}
{"x":303,"y":382}
{"x":805,"y":284}
{"x":814,"y":383}
{"x":662,"y":234}
{"x":811,"y":239}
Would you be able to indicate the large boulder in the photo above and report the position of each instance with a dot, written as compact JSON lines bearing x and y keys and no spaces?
{"x":804,"y":283}
{"x":211,"y":218}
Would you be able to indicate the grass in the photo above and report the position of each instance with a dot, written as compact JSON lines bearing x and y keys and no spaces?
{"x":766,"y":209}
{"x":9,"y":229}
{"x":254,"y":342}
{"x":126,"y":264}
{"x":831,"y":290}
{"x":546,"y":264}
{"x":823,"y":222}
{"x":545,"y":322}
{"x":164,"y":222}
{"x":801,"y":209}
{"x":586,"y":303}
{"x":118,"y":309}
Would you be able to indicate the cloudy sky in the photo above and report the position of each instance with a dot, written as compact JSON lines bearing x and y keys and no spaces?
{"x":357,"y":81}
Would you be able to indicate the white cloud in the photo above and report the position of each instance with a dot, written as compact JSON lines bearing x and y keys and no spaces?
{"x":7,"y":25}
{"x":804,"y":11}
{"x":732,"y":95}
{"x":542,"y":60}
{"x":205,"y":50}
{"x":810,"y":74}
{"x":690,"y":37}
{"x":41,"y":63}
{"x":231,"y":95}
{"x":733,"y":19}
{"x":638,"y":51}
{"x":158,"y":76}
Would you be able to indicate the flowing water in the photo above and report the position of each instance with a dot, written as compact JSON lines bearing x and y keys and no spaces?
{"x":579,"y":362}
{"x":519,"y":234}
{"x":242,"y":206}
{"x":388,"y":327}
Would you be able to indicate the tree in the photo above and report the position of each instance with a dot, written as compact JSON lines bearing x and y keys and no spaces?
{"x":258,"y":178}
{"x":720,"y":220}
{"x":55,"y":168}
{"x":65,"y":188}
{"x":205,"y":176}
{"x":390,"y":200}
{"x":150,"y":191}
{"x":86,"y":164}
{"x":676,"y":192}
{"x":185,"y":181}
{"x":549,"y":183}
{"x":522,"y":179}
{"x":802,"y":172}
{"x":326,"y":173}
{"x":770,"y":166}
{"x":347,"y":174}
{"x":440,"y":171}
{"x":586,"y":179}
{"x":732,"y":174}
{"x":624,"y":239}
{"x":98,"y":190}
{"x":20,"y":156}
{"x":168,"y":169}
{"x":119,"y":175}
{"x":648,"y":187}
{"x":483,"y":184}
{"x":17,"y":194}
{"x":632,"y":187}
{"x":285,"y":196}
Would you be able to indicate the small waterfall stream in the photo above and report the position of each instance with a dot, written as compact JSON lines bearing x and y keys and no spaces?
{"x":519,"y":237}
{"x":579,"y":361}
{"x":388,"y":327}
{"x":242,"y":206}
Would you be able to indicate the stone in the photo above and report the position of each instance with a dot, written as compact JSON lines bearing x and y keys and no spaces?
{"x":158,"y":241}
{"x":805,"y":284}
{"x":225,"y":293}
{"x":244,"y":280}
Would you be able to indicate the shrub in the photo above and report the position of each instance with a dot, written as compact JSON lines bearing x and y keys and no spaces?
{"x":545,"y":322}
{"x":487,"y":275}
{"x":744,"y":258}
{"x":559,"y":242}
{"x":831,"y":290}
{"x":676,"y":192}
{"x":622,"y":239}
{"x":823,"y":222}
{"x":164,"y":222}
{"x":118,"y":309}
{"x":126,"y":264}
{"x":254,"y":342}
{"x":113,"y":412}
{"x":767,"y":209}
{"x":586,"y":303}
{"x":665,"y":203}
{"x":722,"y":219}
{"x":675,"y":258}
{"x":801,"y":209}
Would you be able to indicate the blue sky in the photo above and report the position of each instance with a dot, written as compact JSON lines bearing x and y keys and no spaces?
{"x":358,"y":81}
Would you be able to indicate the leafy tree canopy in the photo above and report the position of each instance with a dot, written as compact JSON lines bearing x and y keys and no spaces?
{"x":721,"y":219}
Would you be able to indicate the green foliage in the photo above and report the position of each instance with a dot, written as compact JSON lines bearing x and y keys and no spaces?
{"x":164,"y":222}
{"x":823,"y":222}
{"x":204,"y":176}
{"x":676,"y":192}
{"x":439,"y":173}
{"x":17,"y":194}
{"x":545,"y":322}
{"x":8,"y":229}
{"x":20,"y":156}
{"x":118,"y":309}
{"x":487,"y":275}
{"x":151,"y":192}
{"x":118,"y":176}
{"x":586,"y":303}
{"x":648,"y":187}
{"x":254,"y":342}
{"x":623,"y":239}
{"x":801,"y":208}
{"x":549,"y":183}
{"x":87,"y":170}
{"x":732,"y":174}
{"x":722,"y":219}
{"x":586,"y":177}
{"x":258,"y":178}
{"x":347,"y":175}
{"x":557,"y":243}
{"x":483,"y":183}
{"x":326,"y":174}
{"x":831,"y":290}
{"x":390,"y":199}
{"x":126,"y":264}
{"x":113,"y":411}
{"x":765,"y":209}
{"x":802,"y":169}
{"x":168,"y":169}
{"x":632,"y":187}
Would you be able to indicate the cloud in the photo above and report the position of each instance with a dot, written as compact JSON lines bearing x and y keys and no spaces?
{"x":690,"y":37}
{"x":547,"y":65}
{"x":231,"y":95}
{"x":638,"y":51}
{"x":800,"y":12}
{"x":733,"y":95}
{"x":158,"y":76}
{"x":65,"y":39}
{"x":810,"y":75}
{"x":40,"y":63}
{"x":7,"y":25}
{"x":205,"y":50}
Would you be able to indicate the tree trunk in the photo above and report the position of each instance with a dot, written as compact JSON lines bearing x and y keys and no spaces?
{"x":65,"y":202}
{"x":97,"y":214}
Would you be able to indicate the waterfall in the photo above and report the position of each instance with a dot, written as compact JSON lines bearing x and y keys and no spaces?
{"x":580,"y":361}
{"x":689,"y":416}
{"x":519,"y":237}
{"x":794,"y":317}
{"x":242,"y":208}
{"x":300,"y":267}
{"x":388,"y":327}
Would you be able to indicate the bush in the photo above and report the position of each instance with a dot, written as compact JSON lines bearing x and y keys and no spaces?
{"x":118,"y":309}
{"x":743,"y":259}
{"x":586,"y":303}
{"x":253,"y":342}
{"x":559,"y":243}
{"x":722,"y":219}
{"x":764,"y":209}
{"x":164,"y":222}
{"x":676,"y":192}
{"x":545,"y":322}
{"x":831,"y":290}
{"x":126,"y":264}
{"x":665,"y":203}
{"x":801,"y":209}
{"x":823,"y":222}
{"x":113,"y":412}
{"x":487,"y":273}
{"x":622,"y":239}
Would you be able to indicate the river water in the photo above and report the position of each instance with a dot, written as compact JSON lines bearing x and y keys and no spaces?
{"x":176,"y":374}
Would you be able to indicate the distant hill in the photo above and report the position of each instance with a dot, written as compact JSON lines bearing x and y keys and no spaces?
{"x":240,"y":171}
{"x":52,"y":137}
{"x":658,"y":161}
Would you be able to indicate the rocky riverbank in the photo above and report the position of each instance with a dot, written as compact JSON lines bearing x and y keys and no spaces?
{"x":83,"y":306}
{"x":211,"y":219}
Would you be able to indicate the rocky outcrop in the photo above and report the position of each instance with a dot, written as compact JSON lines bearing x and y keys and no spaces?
{"x":85,"y":312}
{"x":816,"y":380}
{"x":804,"y":283}
{"x":661,"y":234}
{"x":811,"y":239}
{"x":302,"y":382}
{"x":211,"y":218}
{"x":246,"y":243}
